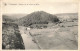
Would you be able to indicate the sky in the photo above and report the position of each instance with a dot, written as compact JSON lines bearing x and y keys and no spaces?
{"x":49,"y":6}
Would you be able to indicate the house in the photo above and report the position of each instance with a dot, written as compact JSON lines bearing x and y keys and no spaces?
{"x":28,"y":28}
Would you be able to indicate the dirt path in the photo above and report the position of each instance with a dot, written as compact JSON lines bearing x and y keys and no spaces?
{"x":27,"y":39}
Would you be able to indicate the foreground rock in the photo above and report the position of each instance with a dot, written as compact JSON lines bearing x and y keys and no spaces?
{"x":11,"y":38}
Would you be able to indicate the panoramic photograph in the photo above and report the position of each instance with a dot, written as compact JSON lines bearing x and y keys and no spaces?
{"x":42,"y":27}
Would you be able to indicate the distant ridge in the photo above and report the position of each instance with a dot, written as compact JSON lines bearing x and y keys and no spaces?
{"x":15,"y":16}
{"x":67,"y":16}
{"x":6,"y":18}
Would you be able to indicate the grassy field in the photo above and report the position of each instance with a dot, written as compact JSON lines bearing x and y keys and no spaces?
{"x":65,"y":37}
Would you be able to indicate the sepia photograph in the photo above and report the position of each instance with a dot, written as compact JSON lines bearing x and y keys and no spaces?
{"x":40,"y":26}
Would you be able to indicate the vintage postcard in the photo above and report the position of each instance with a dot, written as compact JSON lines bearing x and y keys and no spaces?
{"x":40,"y":25}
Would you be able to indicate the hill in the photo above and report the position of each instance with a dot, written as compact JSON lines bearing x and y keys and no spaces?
{"x":39,"y":17}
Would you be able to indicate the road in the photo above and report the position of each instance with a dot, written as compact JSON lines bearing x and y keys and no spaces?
{"x":27,"y":39}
